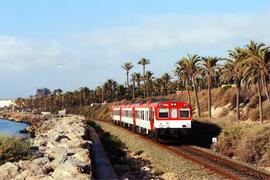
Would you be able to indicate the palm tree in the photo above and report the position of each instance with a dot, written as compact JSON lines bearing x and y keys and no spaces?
{"x":192,"y":68}
{"x":133,"y":80}
{"x":138,"y":78}
{"x":265,"y":69}
{"x":84,"y":95}
{"x":165,"y":81}
{"x":57,"y":93}
{"x":183,"y":75}
{"x":99,"y":94}
{"x":110,"y":87}
{"x":144,"y":62}
{"x":148,"y":78}
{"x":232,"y":71}
{"x":256,"y":68}
{"x":127,"y":67}
{"x":120,"y":92}
{"x":158,"y":86}
{"x":209,"y":69}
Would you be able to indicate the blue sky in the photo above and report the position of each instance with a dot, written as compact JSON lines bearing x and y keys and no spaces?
{"x":68,"y":44}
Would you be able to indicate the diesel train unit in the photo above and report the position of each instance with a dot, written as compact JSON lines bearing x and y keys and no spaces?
{"x":165,"y":120}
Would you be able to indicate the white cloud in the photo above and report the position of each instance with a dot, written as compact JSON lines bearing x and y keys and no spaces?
{"x":92,"y":57}
{"x":17,"y":54}
{"x":153,"y":36}
{"x":171,"y":31}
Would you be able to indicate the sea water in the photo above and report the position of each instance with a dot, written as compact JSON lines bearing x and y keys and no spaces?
{"x":11,"y":127}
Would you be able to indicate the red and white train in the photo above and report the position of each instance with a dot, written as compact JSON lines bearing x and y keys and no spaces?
{"x":163,"y":119}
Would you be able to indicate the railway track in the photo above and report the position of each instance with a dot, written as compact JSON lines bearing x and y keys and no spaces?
{"x":223,"y":167}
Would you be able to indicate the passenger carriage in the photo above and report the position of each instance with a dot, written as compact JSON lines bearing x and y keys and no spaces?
{"x":162,"y":118}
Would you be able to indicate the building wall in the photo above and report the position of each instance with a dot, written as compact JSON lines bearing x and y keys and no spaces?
{"x":5,"y":103}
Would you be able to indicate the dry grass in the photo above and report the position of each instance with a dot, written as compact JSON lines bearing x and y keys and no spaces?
{"x":13,"y":149}
{"x":250,"y":142}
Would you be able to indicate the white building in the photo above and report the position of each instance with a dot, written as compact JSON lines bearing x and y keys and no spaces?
{"x":6,"y":103}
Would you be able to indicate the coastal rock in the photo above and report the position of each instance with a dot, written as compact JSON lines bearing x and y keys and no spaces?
{"x":8,"y":170}
{"x":66,"y":170}
{"x":83,"y":166}
{"x":62,"y":152}
{"x":83,"y":155}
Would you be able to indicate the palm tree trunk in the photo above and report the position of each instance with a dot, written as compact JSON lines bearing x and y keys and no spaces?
{"x":238,"y":86}
{"x":102,"y":95}
{"x":147,"y":88}
{"x":209,"y":97}
{"x":260,"y":100}
{"x":127,"y":80}
{"x":196,"y":97}
{"x":51,"y":104}
{"x":133,"y":90}
{"x":138,"y":88}
{"x":143,"y":81}
{"x":266,"y":88}
{"x":189,"y":99}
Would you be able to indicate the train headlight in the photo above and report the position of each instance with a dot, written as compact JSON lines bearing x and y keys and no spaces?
{"x":160,"y":125}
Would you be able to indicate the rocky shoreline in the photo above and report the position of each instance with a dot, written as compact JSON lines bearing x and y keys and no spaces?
{"x":34,"y":120}
{"x":61,"y":149}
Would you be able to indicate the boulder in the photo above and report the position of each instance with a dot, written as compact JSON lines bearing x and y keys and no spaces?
{"x":83,"y":166}
{"x":83,"y":155}
{"x":65,"y":170}
{"x":8,"y":170}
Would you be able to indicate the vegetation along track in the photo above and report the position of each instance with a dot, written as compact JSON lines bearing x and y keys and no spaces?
{"x":214,"y":163}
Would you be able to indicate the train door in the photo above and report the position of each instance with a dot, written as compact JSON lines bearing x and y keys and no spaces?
{"x":120,"y":120}
{"x":151,"y":117}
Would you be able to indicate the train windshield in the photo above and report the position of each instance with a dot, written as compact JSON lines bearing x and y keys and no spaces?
{"x":163,"y":113}
{"x":184,"y":113}
{"x":173,"y":113}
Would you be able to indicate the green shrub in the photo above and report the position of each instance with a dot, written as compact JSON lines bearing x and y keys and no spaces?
{"x":248,"y":142}
{"x":254,"y":114}
{"x":253,"y":102}
{"x":96,"y":126}
{"x":255,"y":145}
{"x":229,"y":139}
{"x":138,"y":152}
{"x":114,"y":147}
{"x":13,"y":149}
{"x":158,"y":172}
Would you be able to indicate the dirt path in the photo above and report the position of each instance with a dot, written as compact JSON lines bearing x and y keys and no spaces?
{"x":173,"y":166}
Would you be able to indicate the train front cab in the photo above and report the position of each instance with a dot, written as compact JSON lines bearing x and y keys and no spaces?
{"x":172,"y":120}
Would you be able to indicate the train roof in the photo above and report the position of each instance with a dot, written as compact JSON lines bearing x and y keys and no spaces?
{"x":149,"y":103}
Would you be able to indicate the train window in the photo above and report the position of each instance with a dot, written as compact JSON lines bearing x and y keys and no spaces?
{"x":142,"y":115}
{"x":137,"y":114}
{"x":173,"y":113}
{"x":184,"y":113}
{"x":147,"y":116}
{"x":163,"y":112}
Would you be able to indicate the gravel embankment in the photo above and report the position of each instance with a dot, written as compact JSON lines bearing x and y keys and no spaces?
{"x":174,"y":166}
